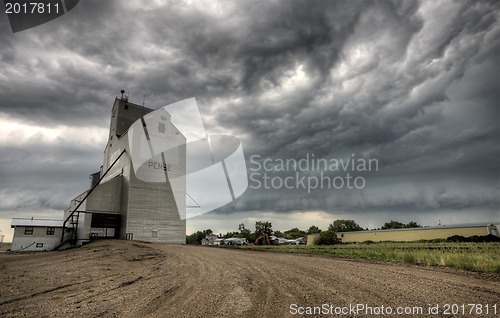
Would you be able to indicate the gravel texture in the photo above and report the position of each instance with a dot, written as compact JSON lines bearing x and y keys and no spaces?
{"x":134,"y":279}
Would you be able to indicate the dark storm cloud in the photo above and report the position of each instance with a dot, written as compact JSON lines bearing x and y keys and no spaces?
{"x":395,"y":94}
{"x":61,"y":72}
{"x":408,"y":109}
{"x":45,"y":176}
{"x":413,"y":84}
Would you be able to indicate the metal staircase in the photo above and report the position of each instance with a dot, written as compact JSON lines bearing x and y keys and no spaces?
{"x":70,"y":226}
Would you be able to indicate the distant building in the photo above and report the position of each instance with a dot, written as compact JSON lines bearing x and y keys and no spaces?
{"x":139,"y":192}
{"x":277,"y":240}
{"x":236,"y":241}
{"x":36,"y":234}
{"x":209,"y":239}
{"x":219,"y":241}
{"x":297,"y":241}
{"x":414,"y":234}
{"x":419,"y":233}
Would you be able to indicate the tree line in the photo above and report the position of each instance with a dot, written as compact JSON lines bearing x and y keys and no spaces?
{"x":327,"y":237}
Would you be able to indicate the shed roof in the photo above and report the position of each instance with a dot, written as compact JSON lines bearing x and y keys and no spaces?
{"x":36,"y":222}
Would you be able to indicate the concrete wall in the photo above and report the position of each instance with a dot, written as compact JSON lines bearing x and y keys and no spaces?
{"x":123,"y":115}
{"x":411,"y":235}
{"x":74,"y":203}
{"x":152,"y":211}
{"x":84,"y":228}
{"x":83,"y":219}
{"x":106,"y":197}
{"x":127,"y":171}
{"x":23,"y":242}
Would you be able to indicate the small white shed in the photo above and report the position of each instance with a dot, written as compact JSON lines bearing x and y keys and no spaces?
{"x":36,"y":234}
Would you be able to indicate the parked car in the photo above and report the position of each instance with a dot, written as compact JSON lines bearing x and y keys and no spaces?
{"x":236,"y":241}
{"x":298,"y":241}
{"x":219,"y":241}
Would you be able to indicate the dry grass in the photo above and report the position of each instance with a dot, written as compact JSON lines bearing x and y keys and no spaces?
{"x":481,"y":257}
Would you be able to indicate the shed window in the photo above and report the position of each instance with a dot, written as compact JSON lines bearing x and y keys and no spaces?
{"x":51,"y":230}
{"x":28,"y":230}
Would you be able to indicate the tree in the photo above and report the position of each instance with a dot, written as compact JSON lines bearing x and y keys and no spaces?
{"x":231,"y":234}
{"x":278,"y":233}
{"x":261,"y":227}
{"x":196,"y":238}
{"x":392,"y":225}
{"x":399,"y":225}
{"x":244,"y":232}
{"x":327,"y":238}
{"x":413,"y":224}
{"x":294,"y":233}
{"x":313,"y":229}
{"x":344,"y":226}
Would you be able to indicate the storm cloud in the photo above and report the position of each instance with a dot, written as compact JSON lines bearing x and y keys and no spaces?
{"x":413,"y":84}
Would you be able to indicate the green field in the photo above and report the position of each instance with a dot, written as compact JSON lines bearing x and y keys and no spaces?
{"x":481,"y":257}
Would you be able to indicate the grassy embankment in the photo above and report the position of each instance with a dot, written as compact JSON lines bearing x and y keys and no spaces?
{"x":4,"y":246}
{"x":481,"y":257}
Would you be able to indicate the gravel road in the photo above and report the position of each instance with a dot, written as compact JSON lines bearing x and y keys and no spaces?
{"x":132,"y":279}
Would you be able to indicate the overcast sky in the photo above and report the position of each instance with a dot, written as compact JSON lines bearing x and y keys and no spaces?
{"x":412,"y":84}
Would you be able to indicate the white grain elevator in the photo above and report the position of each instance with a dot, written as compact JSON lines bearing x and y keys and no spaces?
{"x":140,"y":191}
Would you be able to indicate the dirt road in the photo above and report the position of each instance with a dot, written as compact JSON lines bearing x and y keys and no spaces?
{"x":129,"y":279}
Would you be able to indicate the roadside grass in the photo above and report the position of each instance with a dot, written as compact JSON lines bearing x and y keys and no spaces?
{"x":480,"y":257}
{"x":5,"y":244}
